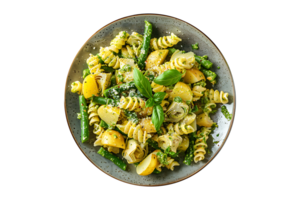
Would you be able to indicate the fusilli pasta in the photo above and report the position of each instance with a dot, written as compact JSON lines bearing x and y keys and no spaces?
{"x":132,"y":103}
{"x":200,"y":144}
{"x":164,"y":42}
{"x":215,"y":96}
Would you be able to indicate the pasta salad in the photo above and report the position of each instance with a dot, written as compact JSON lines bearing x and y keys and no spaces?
{"x":148,"y":102}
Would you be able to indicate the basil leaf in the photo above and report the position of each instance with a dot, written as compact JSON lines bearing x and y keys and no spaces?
{"x":158,"y":97}
{"x":150,"y":103}
{"x":169,"y":77}
{"x":142,"y":83}
{"x":157,"y":116}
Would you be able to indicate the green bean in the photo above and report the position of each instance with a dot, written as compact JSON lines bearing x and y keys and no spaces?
{"x":103,"y":101}
{"x":189,"y":156}
{"x":86,"y":72}
{"x":99,"y":100}
{"x":145,"y":46}
{"x":113,"y":80}
{"x":210,"y":76}
{"x":204,"y":61}
{"x":115,"y":159}
{"x":84,"y":119}
{"x":116,"y":90}
{"x":107,"y":69}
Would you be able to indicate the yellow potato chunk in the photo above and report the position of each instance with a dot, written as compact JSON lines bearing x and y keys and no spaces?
{"x":182,"y":90}
{"x":113,"y":138}
{"x":109,"y":114}
{"x":193,"y":75}
{"x":156,"y":58}
{"x":90,"y":86}
{"x":204,"y":120}
{"x":147,"y":125}
{"x":148,"y":165}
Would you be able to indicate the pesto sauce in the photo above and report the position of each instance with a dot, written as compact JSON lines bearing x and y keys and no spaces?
{"x":225,"y":112}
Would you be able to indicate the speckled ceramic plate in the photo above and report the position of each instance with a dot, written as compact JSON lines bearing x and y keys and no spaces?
{"x":162,"y":25}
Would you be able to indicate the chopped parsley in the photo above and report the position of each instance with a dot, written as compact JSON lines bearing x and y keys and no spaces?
{"x":78,"y":116}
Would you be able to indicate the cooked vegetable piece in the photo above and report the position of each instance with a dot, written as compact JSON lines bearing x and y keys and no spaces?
{"x":189,"y":156}
{"x":183,"y":91}
{"x":147,"y":166}
{"x":90,"y":86}
{"x":134,"y":152}
{"x":204,"y":120}
{"x":193,"y":75}
{"x":156,"y":58}
{"x":115,"y":159}
{"x":184,"y":144}
{"x":109,"y":114}
{"x":84,"y":119}
{"x":204,"y":61}
{"x":145,"y":45}
{"x":147,"y":125}
{"x":111,"y":138}
{"x":210,"y":76}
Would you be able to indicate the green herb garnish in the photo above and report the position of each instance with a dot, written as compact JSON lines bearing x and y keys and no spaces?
{"x":168,"y":77}
{"x":225,"y":112}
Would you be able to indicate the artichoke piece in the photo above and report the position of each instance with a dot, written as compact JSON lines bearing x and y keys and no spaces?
{"x":184,"y":144}
{"x":189,"y":119}
{"x":103,"y":80}
{"x":134,"y":152}
{"x":171,"y":141}
{"x":176,"y":111}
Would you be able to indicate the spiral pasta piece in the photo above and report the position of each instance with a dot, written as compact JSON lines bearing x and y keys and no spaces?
{"x":171,"y":163}
{"x":180,"y":129}
{"x":132,"y":103}
{"x":166,"y":66}
{"x":200,"y":144}
{"x":134,"y":131}
{"x":158,"y":88}
{"x":198,"y":92}
{"x":183,"y":60}
{"x":94,"y":64}
{"x":208,"y":108}
{"x":119,"y":41}
{"x":184,"y":126}
{"x":215,"y":96}
{"x":98,"y":129}
{"x":109,"y":58}
{"x":93,"y":114}
{"x":164,"y":42}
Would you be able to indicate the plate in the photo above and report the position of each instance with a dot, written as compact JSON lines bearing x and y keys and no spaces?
{"x":162,"y":25}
